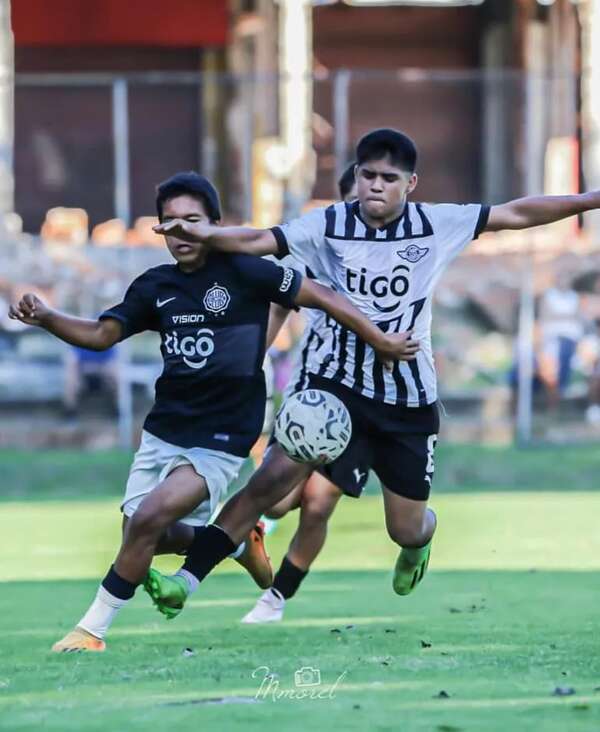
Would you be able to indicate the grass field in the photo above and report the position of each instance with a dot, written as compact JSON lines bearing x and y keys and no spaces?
{"x":507,"y":613}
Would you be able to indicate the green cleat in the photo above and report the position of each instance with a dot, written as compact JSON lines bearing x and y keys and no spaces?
{"x":410,"y":568}
{"x":168,"y":593}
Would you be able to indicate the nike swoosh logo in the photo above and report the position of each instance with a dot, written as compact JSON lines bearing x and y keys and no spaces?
{"x":160,"y":303}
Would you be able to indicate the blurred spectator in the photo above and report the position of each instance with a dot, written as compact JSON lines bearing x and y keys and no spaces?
{"x":109,"y":233}
{"x":142,"y":234}
{"x":591,"y":344}
{"x":65,"y":225}
{"x":89,"y":372}
{"x":592,"y":413}
{"x":11,"y":224}
{"x":513,"y":374}
{"x":561,"y":325}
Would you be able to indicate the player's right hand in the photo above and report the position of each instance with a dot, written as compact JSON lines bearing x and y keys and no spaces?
{"x":398,"y":347}
{"x":30,"y":309}
{"x":190,"y":231}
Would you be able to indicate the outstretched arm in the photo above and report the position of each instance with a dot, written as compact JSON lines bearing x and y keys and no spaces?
{"x":233,"y":239}
{"x":523,"y":213}
{"x":97,"y":335}
{"x":388,"y":347}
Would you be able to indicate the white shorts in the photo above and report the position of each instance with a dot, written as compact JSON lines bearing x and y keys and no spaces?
{"x":156,"y":458}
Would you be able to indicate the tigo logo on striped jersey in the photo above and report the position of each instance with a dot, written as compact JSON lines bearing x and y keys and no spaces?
{"x":380,"y":287}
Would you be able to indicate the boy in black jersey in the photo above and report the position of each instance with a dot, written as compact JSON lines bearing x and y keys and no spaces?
{"x":211,"y":311}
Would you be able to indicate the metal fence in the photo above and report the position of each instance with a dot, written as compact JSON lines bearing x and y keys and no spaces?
{"x":101,"y":142}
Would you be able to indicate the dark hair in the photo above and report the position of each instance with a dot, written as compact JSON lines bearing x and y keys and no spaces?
{"x":378,"y":144}
{"x":346,"y":180}
{"x":190,"y":184}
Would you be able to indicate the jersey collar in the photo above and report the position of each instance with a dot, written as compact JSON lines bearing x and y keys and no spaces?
{"x":390,"y":227}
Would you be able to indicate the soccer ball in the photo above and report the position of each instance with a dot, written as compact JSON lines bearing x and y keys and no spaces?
{"x":313,"y":426}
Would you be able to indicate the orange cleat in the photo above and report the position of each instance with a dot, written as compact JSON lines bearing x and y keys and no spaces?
{"x":255,"y":559}
{"x":79,"y":640}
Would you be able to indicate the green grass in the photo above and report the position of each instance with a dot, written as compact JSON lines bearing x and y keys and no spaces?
{"x":509,"y":608}
{"x":76,"y":475}
{"x":512,"y":641}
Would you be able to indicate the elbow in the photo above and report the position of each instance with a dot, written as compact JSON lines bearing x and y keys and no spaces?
{"x":102,"y":346}
{"x":98,"y":345}
{"x":103,"y":338}
{"x":525,"y":223}
{"x":514,"y":223}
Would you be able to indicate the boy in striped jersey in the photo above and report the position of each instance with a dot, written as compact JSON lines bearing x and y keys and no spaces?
{"x":385,"y":254}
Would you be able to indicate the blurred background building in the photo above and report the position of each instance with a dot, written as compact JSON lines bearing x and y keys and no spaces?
{"x":99,"y":101}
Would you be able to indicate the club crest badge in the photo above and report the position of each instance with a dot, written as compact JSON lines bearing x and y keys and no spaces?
{"x":412,"y":253}
{"x":217,"y":299}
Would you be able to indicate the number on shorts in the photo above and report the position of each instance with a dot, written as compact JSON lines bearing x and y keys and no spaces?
{"x":431,"y":440}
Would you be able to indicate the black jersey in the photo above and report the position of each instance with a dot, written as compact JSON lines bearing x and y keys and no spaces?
{"x":213,"y":325}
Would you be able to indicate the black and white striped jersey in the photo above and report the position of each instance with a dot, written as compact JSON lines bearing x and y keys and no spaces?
{"x":389,"y":274}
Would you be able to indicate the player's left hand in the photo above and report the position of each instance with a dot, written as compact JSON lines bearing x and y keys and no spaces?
{"x":397,"y":347}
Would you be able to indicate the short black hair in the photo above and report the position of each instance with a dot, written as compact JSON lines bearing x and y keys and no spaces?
{"x":346,"y":180}
{"x":189,"y":184}
{"x":378,"y":144}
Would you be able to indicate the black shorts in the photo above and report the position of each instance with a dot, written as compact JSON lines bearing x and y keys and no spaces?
{"x":397,"y":443}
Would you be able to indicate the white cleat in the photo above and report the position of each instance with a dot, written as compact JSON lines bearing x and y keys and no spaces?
{"x":268,"y":609}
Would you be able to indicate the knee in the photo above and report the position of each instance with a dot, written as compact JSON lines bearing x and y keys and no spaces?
{"x":408,"y":535}
{"x":317,"y":510}
{"x":145,"y":522}
{"x":275,"y":512}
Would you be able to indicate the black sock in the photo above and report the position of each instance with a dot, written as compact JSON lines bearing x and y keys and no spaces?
{"x":197,"y":530}
{"x":210,"y":546}
{"x":117,"y":586}
{"x":288,"y":579}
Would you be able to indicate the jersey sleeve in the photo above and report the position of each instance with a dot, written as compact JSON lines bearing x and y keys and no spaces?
{"x":288,"y":261}
{"x":135,"y":312}
{"x":302,"y":237}
{"x":269,"y":280}
{"x":456,"y":225}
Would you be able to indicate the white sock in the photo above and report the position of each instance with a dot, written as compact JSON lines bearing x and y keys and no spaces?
{"x":239,"y":551}
{"x":190,"y":579}
{"x":101,"y":613}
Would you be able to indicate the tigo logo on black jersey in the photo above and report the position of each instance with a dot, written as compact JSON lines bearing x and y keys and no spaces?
{"x":200,"y":346}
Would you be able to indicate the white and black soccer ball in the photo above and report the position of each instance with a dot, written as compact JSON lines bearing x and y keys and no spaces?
{"x":313,"y":426}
